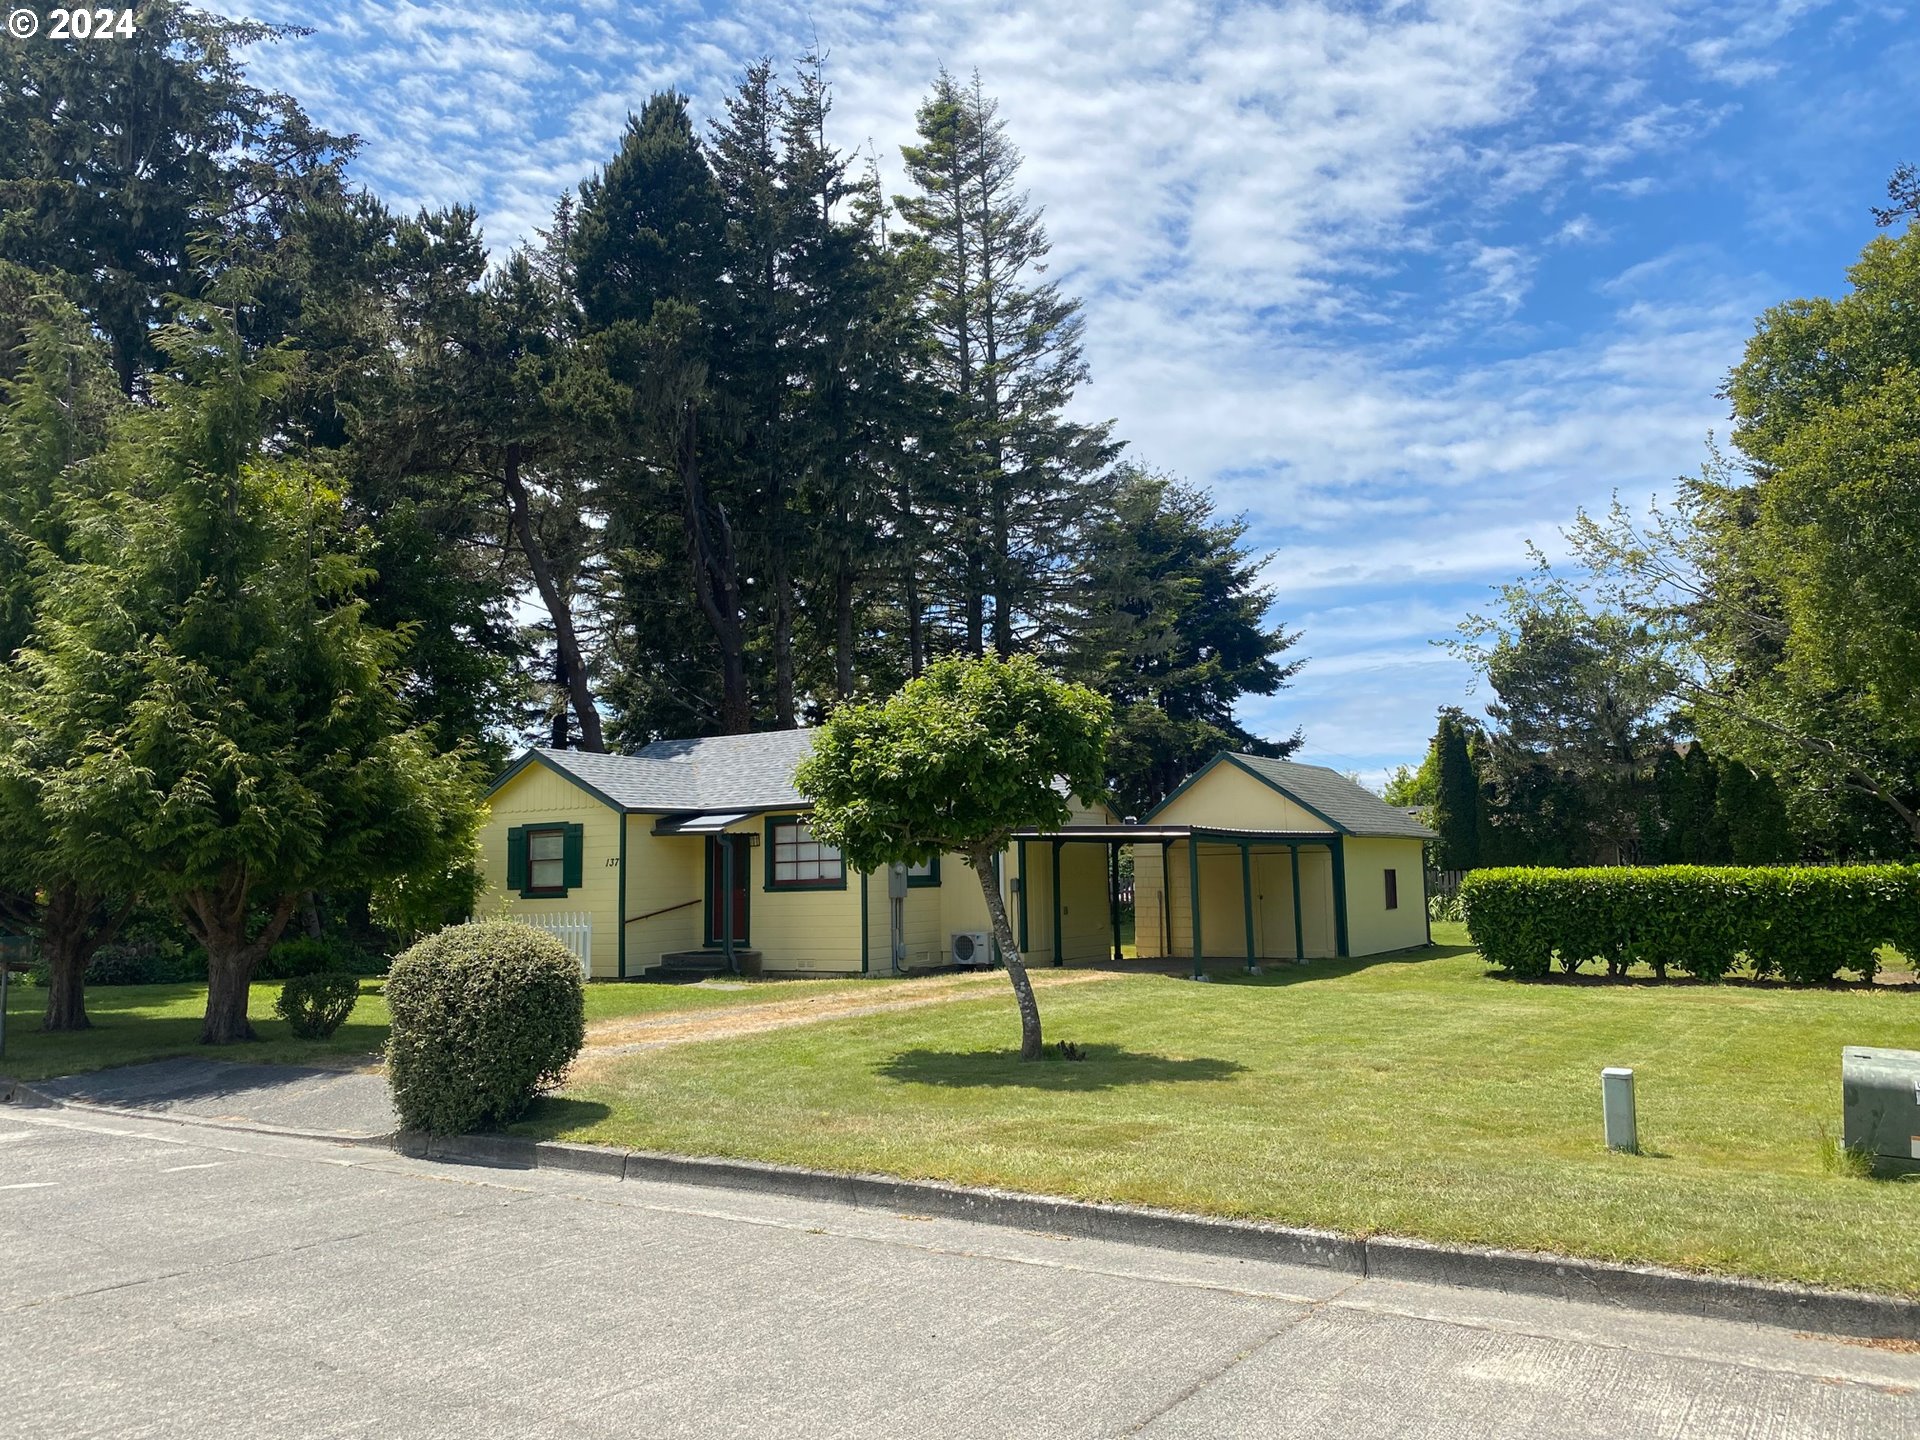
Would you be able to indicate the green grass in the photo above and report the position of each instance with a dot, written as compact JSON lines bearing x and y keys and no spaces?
{"x":132,"y":1023}
{"x":1414,"y":1095}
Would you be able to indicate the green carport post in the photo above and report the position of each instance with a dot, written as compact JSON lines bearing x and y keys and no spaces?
{"x":1058,"y":957}
{"x":1246,"y":895}
{"x":1193,"y":902}
{"x":1340,"y":896}
{"x":1113,"y":898}
{"x":1299,"y":925}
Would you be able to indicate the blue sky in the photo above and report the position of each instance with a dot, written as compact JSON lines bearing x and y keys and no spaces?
{"x":1405,"y":282}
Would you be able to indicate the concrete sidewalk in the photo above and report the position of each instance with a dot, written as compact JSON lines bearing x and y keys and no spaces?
{"x":296,"y":1099}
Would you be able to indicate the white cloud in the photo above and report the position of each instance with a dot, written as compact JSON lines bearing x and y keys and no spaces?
{"x":1311,"y":237}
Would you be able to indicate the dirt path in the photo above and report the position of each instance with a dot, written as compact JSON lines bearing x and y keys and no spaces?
{"x":609,"y":1038}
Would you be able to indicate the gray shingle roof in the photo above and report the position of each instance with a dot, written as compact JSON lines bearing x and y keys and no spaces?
{"x":722,"y":772}
{"x":1352,"y":807}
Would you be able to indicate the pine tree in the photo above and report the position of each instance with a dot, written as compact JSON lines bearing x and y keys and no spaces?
{"x":1017,"y":485}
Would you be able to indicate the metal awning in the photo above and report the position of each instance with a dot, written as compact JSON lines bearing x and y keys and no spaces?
{"x":700,"y":822}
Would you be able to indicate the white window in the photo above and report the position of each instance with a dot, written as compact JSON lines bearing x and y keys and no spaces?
{"x":546,"y":860}
{"x":799,"y":859}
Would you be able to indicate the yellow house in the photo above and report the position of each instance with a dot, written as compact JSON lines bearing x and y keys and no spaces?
{"x":693,"y":856}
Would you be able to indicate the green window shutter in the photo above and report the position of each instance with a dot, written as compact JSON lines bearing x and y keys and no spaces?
{"x":575,"y":856}
{"x":517,"y":858}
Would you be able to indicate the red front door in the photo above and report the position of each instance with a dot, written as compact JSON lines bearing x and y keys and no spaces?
{"x":718,"y":893}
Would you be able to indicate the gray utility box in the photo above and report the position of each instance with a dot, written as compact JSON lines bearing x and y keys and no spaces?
{"x":1880,"y":1099}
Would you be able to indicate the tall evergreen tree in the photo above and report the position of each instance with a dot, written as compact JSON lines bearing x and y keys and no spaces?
{"x":140,"y":168}
{"x":1016,"y":489}
{"x":1458,"y":817}
{"x":649,"y":254}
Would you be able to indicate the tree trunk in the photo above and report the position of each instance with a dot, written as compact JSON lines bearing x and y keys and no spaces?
{"x":73,"y":927}
{"x":715,"y":579}
{"x":843,"y":620}
{"x":982,"y":862}
{"x":566,"y":638}
{"x":783,"y":704}
{"x":218,"y":920}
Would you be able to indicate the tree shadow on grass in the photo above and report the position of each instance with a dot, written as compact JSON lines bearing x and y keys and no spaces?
{"x":1107,"y":1067}
{"x":1224,"y":970}
{"x":559,"y":1115}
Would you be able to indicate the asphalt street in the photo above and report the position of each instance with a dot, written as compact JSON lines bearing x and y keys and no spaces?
{"x":163,"y":1279}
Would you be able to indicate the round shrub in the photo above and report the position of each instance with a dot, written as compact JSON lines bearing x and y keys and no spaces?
{"x":485,"y":1017}
{"x":314,"y":1006}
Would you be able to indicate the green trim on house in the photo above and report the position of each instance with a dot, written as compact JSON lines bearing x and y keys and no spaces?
{"x":863,"y":923}
{"x":929,"y":881}
{"x":1020,"y":854}
{"x":788,"y":818}
{"x":1340,"y":896}
{"x":623,"y":896}
{"x":1059,"y":957}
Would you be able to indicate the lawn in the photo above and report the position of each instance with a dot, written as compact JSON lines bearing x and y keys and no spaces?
{"x":1410,"y":1094}
{"x":154,"y":1022}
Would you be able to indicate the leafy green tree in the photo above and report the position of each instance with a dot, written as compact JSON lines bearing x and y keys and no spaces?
{"x":958,"y":760}
{"x":204,"y":709}
{"x":1409,"y":789}
{"x":1171,"y":626}
{"x":1778,"y":583}
{"x":60,"y":401}
{"x":139,"y":169}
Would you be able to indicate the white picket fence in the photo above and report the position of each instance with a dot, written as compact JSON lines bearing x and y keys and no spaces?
{"x":572,"y":928}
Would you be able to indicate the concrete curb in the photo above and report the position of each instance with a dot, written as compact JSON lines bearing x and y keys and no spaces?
{"x":14,"y":1092}
{"x":1380,"y":1257}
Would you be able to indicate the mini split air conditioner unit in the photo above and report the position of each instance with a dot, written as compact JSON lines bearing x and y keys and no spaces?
{"x":971,"y":947}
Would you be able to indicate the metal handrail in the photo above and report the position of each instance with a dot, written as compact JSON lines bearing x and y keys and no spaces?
{"x":666,"y":910}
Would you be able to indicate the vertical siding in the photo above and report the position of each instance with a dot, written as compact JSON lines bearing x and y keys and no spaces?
{"x":535,"y":796}
{"x":1222,"y":914}
{"x":1149,"y":901}
{"x":663,"y":871}
{"x":1372,"y":928}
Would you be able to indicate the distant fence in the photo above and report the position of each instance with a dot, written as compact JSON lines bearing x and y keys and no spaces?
{"x":572,"y":928}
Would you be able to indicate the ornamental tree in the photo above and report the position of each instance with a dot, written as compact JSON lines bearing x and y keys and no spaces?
{"x":204,"y":713}
{"x":958,"y":760}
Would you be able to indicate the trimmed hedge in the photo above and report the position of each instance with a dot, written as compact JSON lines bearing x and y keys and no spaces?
{"x":484,"y":1017}
{"x":1804,"y":924}
{"x":314,"y":1006}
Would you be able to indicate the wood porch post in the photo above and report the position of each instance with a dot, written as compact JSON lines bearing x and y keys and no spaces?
{"x":1340,"y":895}
{"x":1246,"y":896}
{"x":1021,"y":855}
{"x":1059,"y":957}
{"x":1299,"y":925}
{"x":1193,"y":902}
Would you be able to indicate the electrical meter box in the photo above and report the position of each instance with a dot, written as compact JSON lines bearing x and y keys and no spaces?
{"x":1880,"y":1104}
